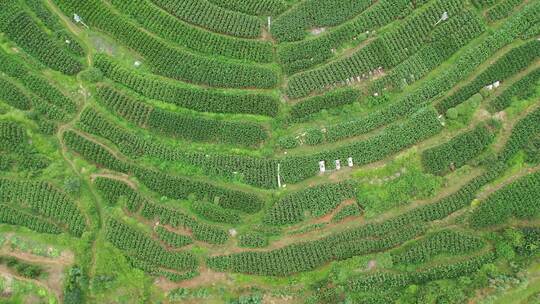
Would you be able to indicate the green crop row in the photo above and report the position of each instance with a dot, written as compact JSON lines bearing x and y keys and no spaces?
{"x":446,"y":39}
{"x":15,"y":216}
{"x":177,"y":187}
{"x":345,"y":212}
{"x":93,"y":152}
{"x":331,"y":100}
{"x":509,"y":64}
{"x":215,"y":213}
{"x":254,"y":7}
{"x":114,"y":190}
{"x":386,"y":51}
{"x":177,"y":219}
{"x":306,"y":256}
{"x":437,"y":86}
{"x":373,"y":237}
{"x":210,"y":16}
{"x":53,"y":23}
{"x":15,"y":95}
{"x":317,"y":200}
{"x":14,"y":67}
{"x":520,"y":199}
{"x":458,"y":150}
{"x":181,"y":125}
{"x":143,"y":247}
{"x":252,"y":239}
{"x":502,"y":9}
{"x":256,"y":171}
{"x":523,"y":88}
{"x":301,"y":55}
{"x":445,"y":242}
{"x":423,"y":124}
{"x":192,"y":37}
{"x":388,"y":281}
{"x":522,"y":134}
{"x":190,"y":97}
{"x":172,"y":239}
{"x":43,"y":199}
{"x":15,"y":149}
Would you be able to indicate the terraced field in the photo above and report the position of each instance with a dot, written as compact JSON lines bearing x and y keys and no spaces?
{"x":269,"y":151}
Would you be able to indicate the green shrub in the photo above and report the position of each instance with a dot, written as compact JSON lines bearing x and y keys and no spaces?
{"x":91,"y":74}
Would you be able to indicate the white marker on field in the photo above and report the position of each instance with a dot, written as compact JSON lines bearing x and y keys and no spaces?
{"x":78,"y":19}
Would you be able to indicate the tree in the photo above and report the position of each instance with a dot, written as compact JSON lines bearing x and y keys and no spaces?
{"x":72,"y":185}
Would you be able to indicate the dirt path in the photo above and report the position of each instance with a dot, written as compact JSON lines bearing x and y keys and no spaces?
{"x":354,"y":222}
{"x":54,"y":267}
{"x":94,"y":197}
{"x":115,"y":175}
{"x":205,"y":278}
{"x":65,"y":259}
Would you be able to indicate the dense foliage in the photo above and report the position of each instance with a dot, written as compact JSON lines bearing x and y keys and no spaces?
{"x":306,"y":53}
{"x":254,"y":7}
{"x":423,"y":124}
{"x":16,"y":153}
{"x":443,"y":271}
{"x":225,"y":21}
{"x":316,"y":104}
{"x":255,"y":171}
{"x":171,"y":238}
{"x":114,"y":190}
{"x":386,"y":51}
{"x":24,"y":269}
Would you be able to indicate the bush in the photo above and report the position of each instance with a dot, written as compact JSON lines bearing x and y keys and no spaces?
{"x":91,"y":74}
{"x":72,"y":185}
{"x":452,"y":113}
{"x":73,"y":293}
